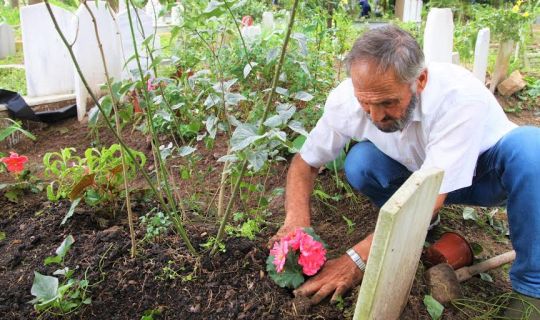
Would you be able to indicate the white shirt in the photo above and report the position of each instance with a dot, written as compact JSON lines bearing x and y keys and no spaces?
{"x":457,"y":119}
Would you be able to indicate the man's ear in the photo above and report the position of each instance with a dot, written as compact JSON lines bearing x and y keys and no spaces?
{"x":421,"y":81}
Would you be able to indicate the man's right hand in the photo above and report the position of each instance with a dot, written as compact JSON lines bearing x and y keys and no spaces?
{"x":282,"y":232}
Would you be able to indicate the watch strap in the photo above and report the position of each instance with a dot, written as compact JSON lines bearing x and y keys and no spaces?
{"x":356,"y":259}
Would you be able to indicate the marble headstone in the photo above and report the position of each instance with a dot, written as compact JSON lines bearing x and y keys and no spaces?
{"x":126,"y":41}
{"x":267,"y":21}
{"x":438,"y":35}
{"x":7,"y":41}
{"x":88,"y":54}
{"x":49,"y":69}
{"x":481,"y":52}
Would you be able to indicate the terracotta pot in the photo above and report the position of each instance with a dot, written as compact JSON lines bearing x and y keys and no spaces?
{"x":451,"y":248}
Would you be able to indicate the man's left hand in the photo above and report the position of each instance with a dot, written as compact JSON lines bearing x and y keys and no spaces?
{"x":337,"y":276}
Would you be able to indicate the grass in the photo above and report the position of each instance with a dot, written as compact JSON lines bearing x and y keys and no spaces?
{"x":10,"y":15}
{"x":18,"y":58}
{"x":13,"y":79}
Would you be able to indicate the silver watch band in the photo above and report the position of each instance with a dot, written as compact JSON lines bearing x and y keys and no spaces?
{"x":356,"y":259}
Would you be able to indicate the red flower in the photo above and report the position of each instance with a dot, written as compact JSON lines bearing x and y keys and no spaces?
{"x":14,"y":162}
{"x":247,"y":21}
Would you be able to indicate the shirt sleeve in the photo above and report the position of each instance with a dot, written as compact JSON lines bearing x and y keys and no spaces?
{"x":325,"y":141}
{"x":454,"y":142}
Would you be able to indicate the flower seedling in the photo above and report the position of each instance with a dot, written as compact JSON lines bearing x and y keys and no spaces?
{"x":300,"y":253}
{"x":57,"y":297}
{"x":14,"y":163}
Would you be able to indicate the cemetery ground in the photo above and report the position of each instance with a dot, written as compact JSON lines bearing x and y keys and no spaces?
{"x":164,"y":281}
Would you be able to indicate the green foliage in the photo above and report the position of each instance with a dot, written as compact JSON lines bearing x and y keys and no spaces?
{"x":156,"y":224}
{"x":13,"y":79}
{"x":247,"y":227}
{"x":55,"y":297}
{"x":435,"y":309}
{"x":97,"y":177}
{"x":10,"y":16}
{"x":291,"y":276}
{"x":15,"y":126}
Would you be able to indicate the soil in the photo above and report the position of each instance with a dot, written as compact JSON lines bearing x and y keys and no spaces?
{"x":173,"y":284}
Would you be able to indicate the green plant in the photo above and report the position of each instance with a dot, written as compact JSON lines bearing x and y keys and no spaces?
{"x":55,"y":297}
{"x":247,"y":227}
{"x":96,"y":177}
{"x":156,"y":224}
{"x":13,"y":79}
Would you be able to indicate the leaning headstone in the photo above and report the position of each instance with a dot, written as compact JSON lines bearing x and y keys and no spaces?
{"x":129,"y":64}
{"x":397,"y":244}
{"x":501,"y":63}
{"x":88,"y":55}
{"x":7,"y":41}
{"x":267,"y":21}
{"x":481,"y":51}
{"x":49,"y":69}
{"x":438,"y":35}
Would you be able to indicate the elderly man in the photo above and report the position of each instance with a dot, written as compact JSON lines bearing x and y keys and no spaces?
{"x":410,"y":116}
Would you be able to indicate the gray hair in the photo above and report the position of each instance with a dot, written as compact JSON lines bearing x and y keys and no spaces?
{"x":389,"y":47}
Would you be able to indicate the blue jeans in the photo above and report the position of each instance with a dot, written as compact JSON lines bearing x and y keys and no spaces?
{"x":506,"y":174}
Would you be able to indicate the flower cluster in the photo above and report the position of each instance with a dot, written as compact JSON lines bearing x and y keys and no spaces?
{"x":301,"y":252}
{"x":14,"y":162}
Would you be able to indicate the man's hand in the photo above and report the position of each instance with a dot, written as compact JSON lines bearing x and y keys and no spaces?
{"x":337,"y":276}
{"x":283,"y":231}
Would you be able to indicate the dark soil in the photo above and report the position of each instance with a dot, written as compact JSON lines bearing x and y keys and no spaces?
{"x":166,"y":279}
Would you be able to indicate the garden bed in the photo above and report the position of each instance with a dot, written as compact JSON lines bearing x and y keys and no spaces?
{"x":165,"y":281}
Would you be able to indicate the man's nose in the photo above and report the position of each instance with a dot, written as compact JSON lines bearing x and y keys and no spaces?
{"x":377,"y":114}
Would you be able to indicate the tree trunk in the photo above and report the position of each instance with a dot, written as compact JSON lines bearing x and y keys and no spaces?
{"x":14,"y":3}
{"x":30,"y":2}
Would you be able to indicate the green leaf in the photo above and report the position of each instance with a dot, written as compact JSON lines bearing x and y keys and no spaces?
{"x":44,"y":288}
{"x":434,"y":308}
{"x":257,"y":159}
{"x":71,"y":210}
{"x":486,"y":277}
{"x":65,"y":246}
{"x":233,"y":98}
{"x":303,"y":96}
{"x":52,"y":259}
{"x":186,"y":150}
{"x":297,"y":144}
{"x":247,"y":69}
{"x":244,"y":135}
{"x":2,"y":235}
{"x":297,"y":127}
{"x":290,"y":277}
{"x":337,"y":164}
{"x":470,"y":214}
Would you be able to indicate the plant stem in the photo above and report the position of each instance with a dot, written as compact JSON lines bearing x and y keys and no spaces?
{"x":244,"y":165}
{"x":118,"y":132}
{"x":69,"y":47}
{"x":160,"y":164}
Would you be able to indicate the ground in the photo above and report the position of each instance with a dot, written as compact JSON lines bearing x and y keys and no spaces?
{"x":164,"y":279}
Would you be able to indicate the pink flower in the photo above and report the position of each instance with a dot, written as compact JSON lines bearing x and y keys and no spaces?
{"x":14,"y":162}
{"x":247,"y":21}
{"x":312,"y":256}
{"x":279,"y":251}
{"x":150,"y":86}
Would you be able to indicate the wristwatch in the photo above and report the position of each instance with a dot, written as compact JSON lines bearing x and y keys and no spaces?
{"x":356,"y":259}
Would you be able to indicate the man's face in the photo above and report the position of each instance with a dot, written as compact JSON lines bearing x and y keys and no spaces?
{"x":387,"y":102}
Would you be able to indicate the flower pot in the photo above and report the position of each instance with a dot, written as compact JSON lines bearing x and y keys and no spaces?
{"x":451,"y":248}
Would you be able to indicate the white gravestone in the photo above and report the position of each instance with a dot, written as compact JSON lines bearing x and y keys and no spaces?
{"x":126,"y":41}
{"x":409,"y":10}
{"x":7,"y":41}
{"x":481,"y":52}
{"x":49,"y":69}
{"x":153,"y":9}
{"x":267,"y":21}
{"x":438,"y":35}
{"x":88,"y":54}
{"x":397,"y":244}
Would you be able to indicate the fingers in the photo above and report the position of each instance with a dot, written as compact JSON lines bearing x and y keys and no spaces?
{"x":340,"y":291}
{"x":325,"y":291}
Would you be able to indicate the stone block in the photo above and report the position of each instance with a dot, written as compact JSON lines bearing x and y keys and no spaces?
{"x":512,"y":84}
